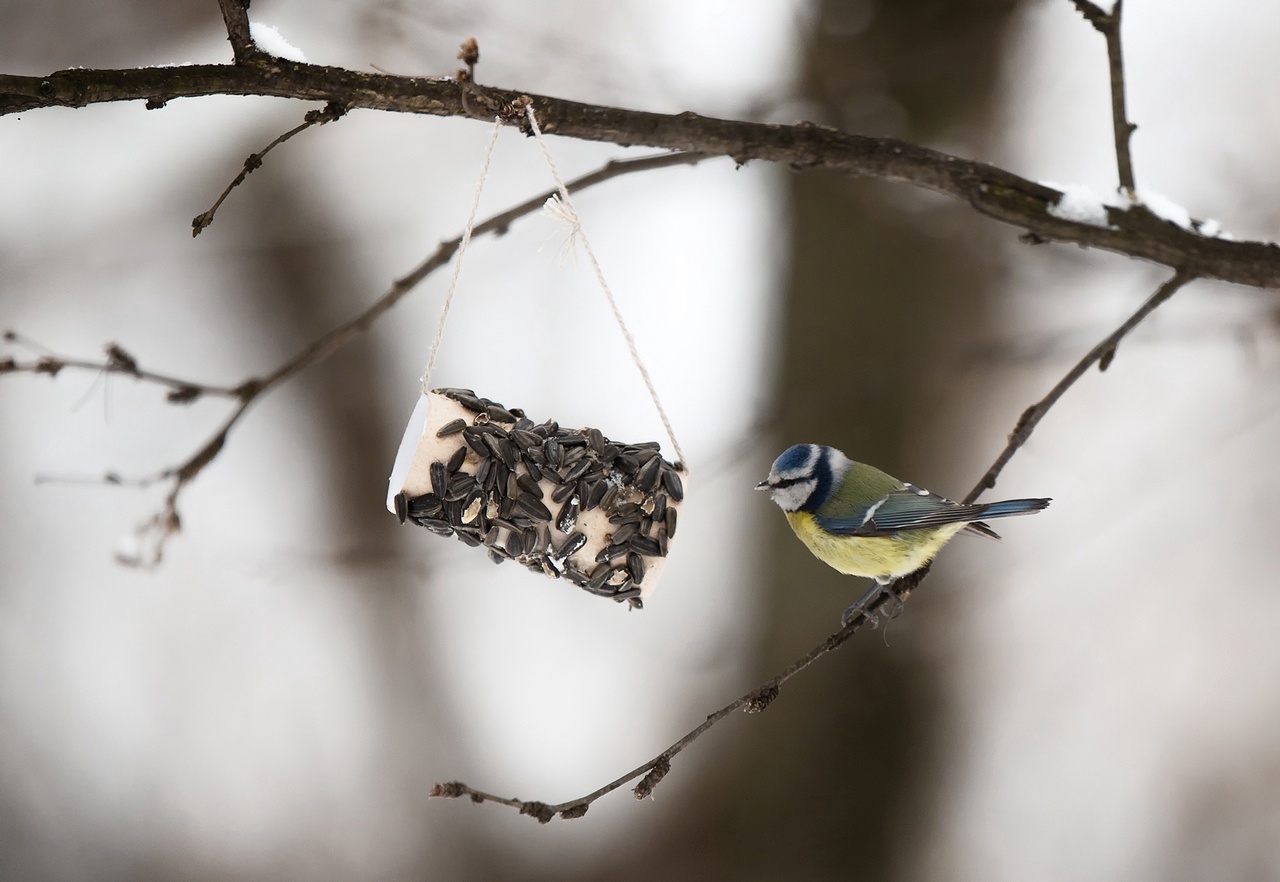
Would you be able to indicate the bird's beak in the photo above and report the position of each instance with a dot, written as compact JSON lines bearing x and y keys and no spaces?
{"x":764,"y":485}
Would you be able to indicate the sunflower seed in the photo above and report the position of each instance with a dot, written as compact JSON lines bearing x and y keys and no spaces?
{"x":623,"y":534}
{"x":598,"y":575}
{"x":495,"y":556}
{"x":571,"y":440}
{"x":469,"y":401}
{"x":533,"y":507}
{"x":529,"y":485}
{"x":473,"y":506}
{"x":568,"y":516}
{"x":595,"y":493}
{"x":534,"y":471}
{"x":402,"y":506}
{"x":631,"y":596}
{"x":452,"y":427}
{"x":460,"y":487}
{"x":571,"y":544}
{"x":575,"y":575}
{"x":515,"y":544}
{"x":662,"y":541}
{"x":499,"y":414}
{"x":554,"y":452}
{"x":674,"y":486}
{"x":648,"y":474}
{"x":475,"y":440}
{"x":577,"y":471}
{"x":549,"y":568}
{"x":609,"y":454}
{"x":564,"y":491}
{"x":595,"y":440}
{"x":439,"y":479}
{"x":646,"y":545}
{"x":425,"y":505}
{"x":610,"y":498}
{"x":659,"y":506}
{"x":525,"y":438}
{"x":670,"y":520}
{"x":635,"y":566}
{"x":468,"y":538}
{"x":627,"y":464}
{"x":524,"y":424}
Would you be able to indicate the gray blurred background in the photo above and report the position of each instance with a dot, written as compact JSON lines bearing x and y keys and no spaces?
{"x":1094,"y":698}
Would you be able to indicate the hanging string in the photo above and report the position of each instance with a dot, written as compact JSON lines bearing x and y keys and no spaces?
{"x":561,"y":207}
{"x":462,"y":250}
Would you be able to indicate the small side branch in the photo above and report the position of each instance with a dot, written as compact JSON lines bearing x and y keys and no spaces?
{"x":1108,"y":24}
{"x":1101,"y":355}
{"x":235,"y":15}
{"x":331,"y":112}
{"x":889,"y":602}
{"x":117,"y":361}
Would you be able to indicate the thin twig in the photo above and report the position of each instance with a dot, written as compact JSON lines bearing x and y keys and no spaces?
{"x":331,"y":112}
{"x":118,"y":361}
{"x":654,"y":770}
{"x":1101,"y":355}
{"x":155,"y":532}
{"x":1108,"y":24}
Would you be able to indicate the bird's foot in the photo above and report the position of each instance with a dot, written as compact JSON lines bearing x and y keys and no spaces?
{"x":860,"y":609}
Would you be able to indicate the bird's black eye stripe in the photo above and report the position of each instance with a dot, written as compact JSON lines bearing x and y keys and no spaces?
{"x":787,"y":482}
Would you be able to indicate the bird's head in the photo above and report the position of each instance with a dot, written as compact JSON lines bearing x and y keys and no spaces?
{"x":803,"y":476}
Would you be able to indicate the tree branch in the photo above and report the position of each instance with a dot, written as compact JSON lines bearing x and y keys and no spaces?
{"x":1108,"y":24}
{"x":118,"y":361}
{"x":331,"y":112}
{"x":1101,"y":355}
{"x":992,"y":191}
{"x":235,"y":14}
{"x":890,"y":601}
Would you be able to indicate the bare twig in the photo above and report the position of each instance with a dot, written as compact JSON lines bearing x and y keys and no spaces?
{"x":155,"y":532}
{"x":1108,"y":24}
{"x":991,"y":191}
{"x":653,"y":771}
{"x":117,"y":361}
{"x":1101,"y":355}
{"x":331,"y":112}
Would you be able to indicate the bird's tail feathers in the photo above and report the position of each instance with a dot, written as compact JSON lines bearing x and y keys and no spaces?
{"x":1011,"y":507}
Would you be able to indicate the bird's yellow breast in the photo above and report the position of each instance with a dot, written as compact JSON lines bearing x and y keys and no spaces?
{"x":876,"y":557}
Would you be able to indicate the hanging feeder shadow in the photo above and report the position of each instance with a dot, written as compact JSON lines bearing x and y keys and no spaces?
{"x":567,"y":503}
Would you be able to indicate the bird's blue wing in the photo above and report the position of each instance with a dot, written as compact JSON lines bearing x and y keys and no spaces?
{"x":907,"y":509}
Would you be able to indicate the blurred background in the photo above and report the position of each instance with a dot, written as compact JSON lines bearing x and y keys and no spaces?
{"x":1094,"y":698}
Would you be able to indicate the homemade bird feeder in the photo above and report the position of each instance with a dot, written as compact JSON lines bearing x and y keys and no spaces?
{"x":568,"y":503}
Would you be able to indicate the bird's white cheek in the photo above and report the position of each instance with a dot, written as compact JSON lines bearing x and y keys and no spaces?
{"x":791,"y":498}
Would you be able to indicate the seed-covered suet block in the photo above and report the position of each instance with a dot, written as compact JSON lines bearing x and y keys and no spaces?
{"x":567,"y":503}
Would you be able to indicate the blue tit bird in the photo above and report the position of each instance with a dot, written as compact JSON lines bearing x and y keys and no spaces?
{"x":860,"y":521}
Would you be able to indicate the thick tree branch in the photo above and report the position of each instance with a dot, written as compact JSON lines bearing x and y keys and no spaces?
{"x":1101,"y":355}
{"x":997,"y":193}
{"x":1108,"y":24}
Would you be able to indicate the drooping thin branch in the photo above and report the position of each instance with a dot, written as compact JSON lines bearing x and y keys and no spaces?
{"x":117,"y":361}
{"x":331,"y":112}
{"x":1101,"y":355}
{"x":653,"y":771}
{"x":1108,"y":24}
{"x":153,"y":534}
{"x":991,"y":191}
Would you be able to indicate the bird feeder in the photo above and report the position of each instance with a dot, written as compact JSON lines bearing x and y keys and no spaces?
{"x":568,"y":503}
